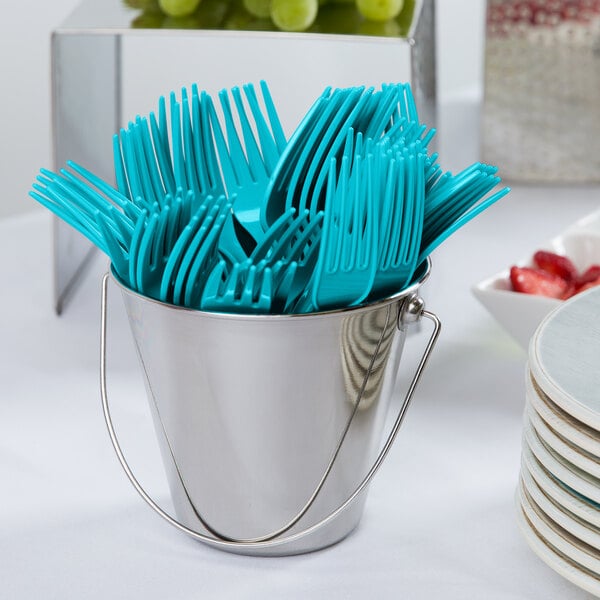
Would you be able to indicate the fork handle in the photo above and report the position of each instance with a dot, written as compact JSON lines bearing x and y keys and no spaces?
{"x":411,"y":311}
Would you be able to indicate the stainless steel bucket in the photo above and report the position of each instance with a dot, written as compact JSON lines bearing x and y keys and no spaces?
{"x":269,"y":426}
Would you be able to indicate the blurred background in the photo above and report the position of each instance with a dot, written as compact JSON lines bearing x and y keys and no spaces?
{"x":25,"y":67}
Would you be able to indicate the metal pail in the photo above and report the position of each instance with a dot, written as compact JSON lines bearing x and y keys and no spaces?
{"x":269,"y":426}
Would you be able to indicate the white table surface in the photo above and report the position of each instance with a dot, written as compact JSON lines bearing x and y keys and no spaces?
{"x":439,"y":520}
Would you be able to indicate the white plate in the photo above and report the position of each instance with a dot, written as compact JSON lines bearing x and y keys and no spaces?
{"x":564,"y":424}
{"x":577,"y":527}
{"x":564,"y":357}
{"x":576,"y":456}
{"x":590,"y":223}
{"x":569,"y":474}
{"x":565,"y":567}
{"x":561,"y":540}
{"x":520,"y":314}
{"x":566,"y":497}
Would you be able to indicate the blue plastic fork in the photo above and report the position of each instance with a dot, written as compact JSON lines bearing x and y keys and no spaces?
{"x":246,"y":169}
{"x":178,"y":263}
{"x":402,"y":257}
{"x":153,"y":160}
{"x":387,"y":116}
{"x":150,"y":256}
{"x":346,"y":265}
{"x":290,"y":241}
{"x":321,"y":145}
{"x":274,"y":204}
{"x":443,"y":232}
{"x":120,"y":253}
{"x":401,"y":218}
{"x":78,"y":204}
{"x":244,"y":289}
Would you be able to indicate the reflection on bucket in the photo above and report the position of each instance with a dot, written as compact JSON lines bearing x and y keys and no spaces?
{"x":267,"y":424}
{"x":366,"y":345}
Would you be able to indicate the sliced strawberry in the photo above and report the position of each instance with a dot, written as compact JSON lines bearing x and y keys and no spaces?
{"x":555,"y":264}
{"x":529,"y":280}
{"x":590,"y":284}
{"x":590,"y":274}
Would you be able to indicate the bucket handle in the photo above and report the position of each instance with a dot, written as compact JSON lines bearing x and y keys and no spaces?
{"x":411,"y":310}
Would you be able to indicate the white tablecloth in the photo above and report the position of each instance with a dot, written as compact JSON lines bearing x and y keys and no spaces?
{"x":439,"y":520}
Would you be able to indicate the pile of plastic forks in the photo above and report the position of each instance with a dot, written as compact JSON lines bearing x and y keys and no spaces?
{"x":219,"y":212}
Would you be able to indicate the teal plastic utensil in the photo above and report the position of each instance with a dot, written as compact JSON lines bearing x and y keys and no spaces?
{"x":92,"y":182}
{"x":450,"y":199}
{"x":346,"y":265}
{"x":274,"y":204}
{"x":152,"y":161}
{"x":177,"y":266}
{"x":247,"y":165}
{"x":388,"y":117}
{"x":69,"y":214}
{"x":120,"y":253}
{"x":272,"y":137}
{"x":161,"y":231}
{"x":304,"y":251}
{"x":284,"y":274}
{"x":432,"y":242}
{"x":78,"y":204}
{"x":401,"y":218}
{"x":199,"y":259}
{"x":152,"y":254}
{"x":244,"y":289}
{"x":323,"y":144}
{"x":290,"y":240}
{"x":218,"y":211}
{"x":272,"y":240}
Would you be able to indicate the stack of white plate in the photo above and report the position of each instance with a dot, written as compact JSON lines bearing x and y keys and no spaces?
{"x":558,"y":499}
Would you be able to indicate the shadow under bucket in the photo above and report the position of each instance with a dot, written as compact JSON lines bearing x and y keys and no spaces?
{"x":269,"y":426}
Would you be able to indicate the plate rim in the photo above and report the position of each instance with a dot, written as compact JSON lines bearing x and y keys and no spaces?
{"x":551,"y":488}
{"x":567,"y":569}
{"x":559,"y":514}
{"x":565,"y":424}
{"x":544,"y":380}
{"x":561,"y":447}
{"x":553,"y":465}
{"x":587,"y":558}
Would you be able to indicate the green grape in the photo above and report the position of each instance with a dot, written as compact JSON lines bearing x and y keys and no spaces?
{"x":148,"y":20}
{"x":406,"y":16}
{"x":258,"y":8}
{"x":211,"y":13}
{"x":187,"y":22}
{"x":237,"y":18}
{"x":389,"y":28}
{"x":379,"y":10}
{"x":178,"y":8}
{"x":337,"y":18}
{"x":294,"y":15}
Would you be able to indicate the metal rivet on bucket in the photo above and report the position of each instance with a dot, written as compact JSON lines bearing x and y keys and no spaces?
{"x":269,"y":425}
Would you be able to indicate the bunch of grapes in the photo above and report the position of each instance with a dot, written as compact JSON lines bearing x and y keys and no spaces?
{"x":366,"y":17}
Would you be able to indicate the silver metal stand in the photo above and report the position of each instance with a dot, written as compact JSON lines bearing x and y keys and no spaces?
{"x":85,"y":113}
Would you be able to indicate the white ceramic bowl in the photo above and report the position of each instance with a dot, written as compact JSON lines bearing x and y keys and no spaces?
{"x":520,"y":314}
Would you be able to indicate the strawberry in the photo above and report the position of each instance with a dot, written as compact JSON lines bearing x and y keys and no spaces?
{"x":589,"y":275}
{"x":555,"y":264}
{"x":589,"y":284}
{"x":530,"y":280}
